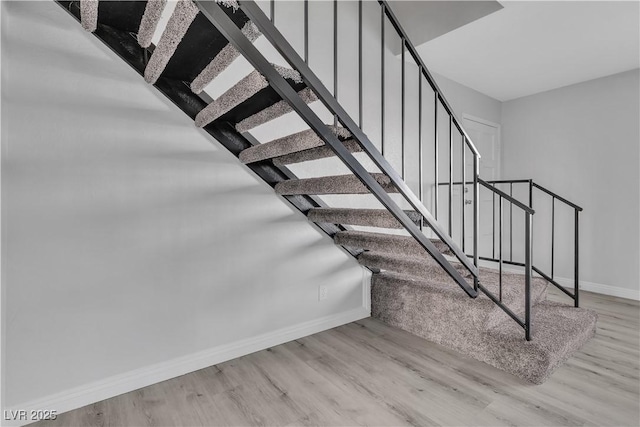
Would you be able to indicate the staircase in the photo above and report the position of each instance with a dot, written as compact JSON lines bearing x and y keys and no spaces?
{"x":425,"y":281}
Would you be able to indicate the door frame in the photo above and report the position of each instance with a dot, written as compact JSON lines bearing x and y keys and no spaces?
{"x":498,"y":128}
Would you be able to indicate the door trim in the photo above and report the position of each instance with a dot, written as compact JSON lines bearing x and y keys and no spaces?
{"x":498,"y":128}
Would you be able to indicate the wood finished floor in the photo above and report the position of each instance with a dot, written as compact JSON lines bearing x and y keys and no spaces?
{"x":367,"y":373}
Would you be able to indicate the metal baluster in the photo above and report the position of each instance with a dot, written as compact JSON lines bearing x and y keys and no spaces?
{"x":436,"y":189}
{"x":306,"y":31}
{"x":500,"y":224}
{"x":527,"y":278}
{"x":553,"y":232}
{"x":450,"y":176}
{"x":272,"y":11}
{"x":402,"y":152}
{"x":531,"y":193}
{"x":420,"y":153}
{"x":464,"y":188}
{"x":576,"y":284}
{"x":359,"y":63}
{"x":335,"y":56}
{"x":511,"y":223}
{"x":476,"y":214}
{"x":382,"y":10}
{"x":493,"y":223}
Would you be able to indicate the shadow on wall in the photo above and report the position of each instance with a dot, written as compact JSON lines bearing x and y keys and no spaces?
{"x":130,"y":238}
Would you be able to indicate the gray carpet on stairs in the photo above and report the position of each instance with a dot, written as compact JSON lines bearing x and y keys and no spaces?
{"x":273,"y":112}
{"x":182,"y":17}
{"x":89,"y":14}
{"x":293,"y":143}
{"x":452,"y":301}
{"x":383,"y":242}
{"x":381,"y":218}
{"x":321,"y":152}
{"x":150,"y":18}
{"x":438,"y":311}
{"x":240,"y":92}
{"x":413,"y":266}
{"x":339,"y":184}
{"x":223,"y":59}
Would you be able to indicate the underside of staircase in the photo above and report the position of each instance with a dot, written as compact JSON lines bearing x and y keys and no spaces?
{"x":410,"y":289}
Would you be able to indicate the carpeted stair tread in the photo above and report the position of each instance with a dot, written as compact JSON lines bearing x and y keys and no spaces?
{"x":383,"y":242}
{"x":381,"y":218}
{"x":274,"y":111}
{"x":179,"y":22}
{"x":89,"y":14}
{"x":250,"y":85}
{"x":188,"y":43}
{"x":223,"y":59}
{"x":338,"y":184}
{"x":321,"y":152}
{"x":149,"y":22}
{"x":293,"y":143}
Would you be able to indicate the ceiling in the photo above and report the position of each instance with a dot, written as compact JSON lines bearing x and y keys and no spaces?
{"x":534,"y":46}
{"x":426,"y":20}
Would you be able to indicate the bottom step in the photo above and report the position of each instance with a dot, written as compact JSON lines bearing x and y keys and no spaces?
{"x":558,"y":330}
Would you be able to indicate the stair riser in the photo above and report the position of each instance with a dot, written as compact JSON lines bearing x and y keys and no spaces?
{"x":272,"y":112}
{"x":315,"y":154}
{"x":297,"y":142}
{"x":362,"y":217}
{"x":486,"y":314}
{"x":345,"y":184}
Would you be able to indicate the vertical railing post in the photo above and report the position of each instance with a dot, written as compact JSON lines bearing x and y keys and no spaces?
{"x":306,"y":31}
{"x":382,"y":11}
{"x":476,"y":214}
{"x":576,"y":283}
{"x":527,"y":277}
{"x":463,"y":189}
{"x":511,"y":223}
{"x":500,"y":226}
{"x":436,"y":190}
{"x":335,"y":56}
{"x":420,"y":152}
{"x":402,"y":124}
{"x":359,"y":63}
{"x":272,"y":11}
{"x":493,"y":223}
{"x":553,"y":233}
{"x":450,"y":212}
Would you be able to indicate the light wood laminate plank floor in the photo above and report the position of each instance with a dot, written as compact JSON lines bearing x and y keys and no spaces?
{"x":367,"y":373}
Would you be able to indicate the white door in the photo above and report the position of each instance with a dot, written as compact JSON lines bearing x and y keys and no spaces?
{"x":486,"y":138}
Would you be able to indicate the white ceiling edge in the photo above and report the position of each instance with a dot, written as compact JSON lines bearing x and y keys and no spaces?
{"x":536,"y":46}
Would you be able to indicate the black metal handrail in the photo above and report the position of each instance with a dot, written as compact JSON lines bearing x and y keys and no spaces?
{"x":425,"y":71}
{"x":525,"y":323}
{"x":224,"y":24}
{"x":532,"y":185}
{"x":387,"y":14}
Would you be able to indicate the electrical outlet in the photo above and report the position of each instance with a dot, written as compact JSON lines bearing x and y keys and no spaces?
{"x":323,"y":293}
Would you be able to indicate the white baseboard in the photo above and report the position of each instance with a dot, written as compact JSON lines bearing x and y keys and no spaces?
{"x":599,"y":288}
{"x":133,"y":380}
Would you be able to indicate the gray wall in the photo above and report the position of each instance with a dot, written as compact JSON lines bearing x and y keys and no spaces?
{"x":465,"y":100}
{"x":130,"y":238}
{"x":582,"y":141}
